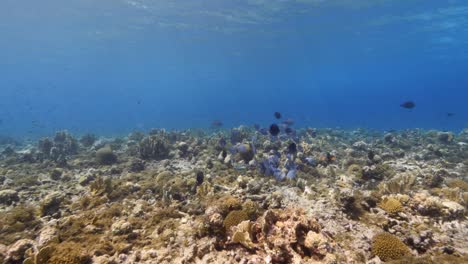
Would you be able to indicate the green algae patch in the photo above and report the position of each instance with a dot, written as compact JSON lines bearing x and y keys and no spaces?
{"x":17,"y":223}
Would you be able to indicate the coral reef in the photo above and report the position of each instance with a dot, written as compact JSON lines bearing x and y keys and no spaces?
{"x":236,"y":196}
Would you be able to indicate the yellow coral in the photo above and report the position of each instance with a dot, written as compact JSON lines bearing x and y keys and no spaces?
{"x":391,"y":205}
{"x":242,"y":234}
{"x":234,"y":218}
{"x":388,"y":247}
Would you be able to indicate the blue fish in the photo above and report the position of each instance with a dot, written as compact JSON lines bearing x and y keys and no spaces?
{"x":288,"y":122}
{"x":239,"y":148}
{"x":311,"y":161}
{"x":291,"y":174}
{"x":222,"y":142}
{"x":236,"y":136}
{"x":263,"y":131}
{"x":254,"y":140}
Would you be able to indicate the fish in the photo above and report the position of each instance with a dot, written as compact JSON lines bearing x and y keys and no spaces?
{"x":291,"y":174}
{"x":200,"y":177}
{"x":448,"y":114}
{"x":291,"y":167}
{"x":256,"y":127}
{"x":292,"y":148}
{"x":252,"y":144}
{"x":288,"y":122}
{"x":274,"y":130}
{"x":239,"y":148}
{"x":277,"y":115}
{"x":263,"y":131}
{"x":328,"y":158}
{"x":236,"y":136}
{"x":408,"y":105}
{"x":311,"y":161}
{"x":222,"y":142}
{"x":288,"y":130}
{"x":216,"y":123}
{"x":312,"y":132}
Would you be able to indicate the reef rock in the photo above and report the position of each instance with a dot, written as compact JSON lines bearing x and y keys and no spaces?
{"x":284,"y":235}
{"x":16,"y":252}
{"x":8,"y":196}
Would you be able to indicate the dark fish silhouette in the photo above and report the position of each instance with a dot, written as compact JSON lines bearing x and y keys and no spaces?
{"x":256,"y":126}
{"x":408,"y":105}
{"x":292,"y":148}
{"x":274,"y":130}
{"x":200,"y":177}
{"x":448,"y":114}
{"x":222,"y":142}
{"x":277,"y":115}
{"x":216,"y":124}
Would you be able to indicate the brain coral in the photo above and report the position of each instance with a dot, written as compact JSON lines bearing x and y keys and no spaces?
{"x":391,"y":205}
{"x":387,"y":247}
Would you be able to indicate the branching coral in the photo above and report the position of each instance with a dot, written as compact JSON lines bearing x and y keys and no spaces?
{"x":399,"y":184}
{"x":59,"y":148}
{"x":154,"y":147}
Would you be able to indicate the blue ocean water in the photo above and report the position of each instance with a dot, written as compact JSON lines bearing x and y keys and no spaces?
{"x":113,"y":66}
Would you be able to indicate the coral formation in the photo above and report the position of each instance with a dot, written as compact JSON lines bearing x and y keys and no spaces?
{"x":154,"y":147}
{"x":62,"y":146}
{"x":391,"y":205}
{"x":105,"y":156}
{"x":377,"y":172}
{"x":88,"y":140}
{"x":234,"y":218}
{"x":388,"y":247}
